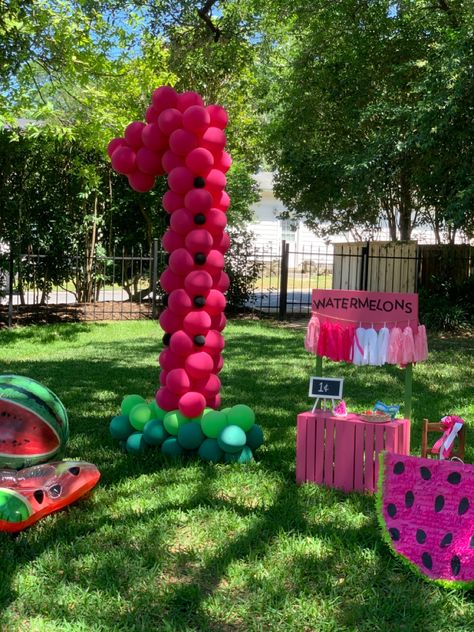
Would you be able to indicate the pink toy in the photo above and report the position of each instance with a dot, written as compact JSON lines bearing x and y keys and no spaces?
{"x":426,"y":511}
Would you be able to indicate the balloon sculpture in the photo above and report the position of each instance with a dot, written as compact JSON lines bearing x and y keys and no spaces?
{"x":185,"y":140}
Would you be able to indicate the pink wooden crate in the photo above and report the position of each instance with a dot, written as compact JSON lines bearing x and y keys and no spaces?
{"x":343,"y":452}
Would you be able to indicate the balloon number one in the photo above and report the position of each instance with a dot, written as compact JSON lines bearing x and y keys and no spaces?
{"x":185,"y":140}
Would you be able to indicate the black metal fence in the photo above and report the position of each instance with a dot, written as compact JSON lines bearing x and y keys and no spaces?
{"x":275,"y":281}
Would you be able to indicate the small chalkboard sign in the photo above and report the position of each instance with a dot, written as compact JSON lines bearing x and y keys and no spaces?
{"x":325,"y":388}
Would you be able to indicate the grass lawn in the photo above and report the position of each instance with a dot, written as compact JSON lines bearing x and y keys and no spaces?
{"x":188,"y":546}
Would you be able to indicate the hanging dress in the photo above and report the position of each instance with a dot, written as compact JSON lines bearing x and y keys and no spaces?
{"x":383,"y":338}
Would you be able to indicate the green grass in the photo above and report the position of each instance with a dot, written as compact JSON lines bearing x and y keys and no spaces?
{"x":187,"y":546}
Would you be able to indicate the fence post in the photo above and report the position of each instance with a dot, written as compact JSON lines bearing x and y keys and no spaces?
{"x":285,"y":251}
{"x":364,"y":271}
{"x":154,"y":278}
{"x":10,"y":285}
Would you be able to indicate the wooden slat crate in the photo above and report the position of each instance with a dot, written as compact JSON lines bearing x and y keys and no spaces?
{"x":343,"y":452}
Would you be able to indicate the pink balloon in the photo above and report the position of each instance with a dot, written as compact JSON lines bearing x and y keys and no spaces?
{"x":197,"y":323}
{"x":215,"y":302}
{"x":217,"y":115}
{"x":222,"y":243}
{"x":214,"y":402}
{"x":200,"y":161}
{"x":214,"y":262}
{"x":124,"y":160}
{"x":182,"y":221}
{"x":209,"y":387}
{"x":171,"y":160}
{"x":170,"y":322}
{"x":216,"y":221}
{"x":178,"y":381}
{"x":196,"y":119}
{"x":199,"y":240}
{"x":133,"y":134}
{"x":169,"y":120}
{"x":172,"y":241}
{"x":179,"y":302}
{"x":169,"y":360}
{"x":213,"y":139}
{"x":191,"y":404}
{"x":114,"y":144}
{"x":164,"y":97}
{"x":218,"y":322}
{"x":222,"y":282}
{"x":198,"y":282}
{"x":181,"y":262}
{"x":153,"y":138}
{"x":215,"y":180}
{"x":181,"y":344}
{"x":166,"y":399}
{"x":163,"y":375}
{"x":182,"y":142}
{"x":151,"y":114}
{"x":149,"y":161}
{"x":223,"y":162}
{"x":180,"y":180}
{"x":214,"y":342}
{"x":221,"y":200}
{"x":198,"y":200}
{"x":199,"y":365}
{"x":170,"y":281}
{"x":218,"y":364}
{"x":172,"y":201}
{"x":188,"y":99}
{"x":141,"y":182}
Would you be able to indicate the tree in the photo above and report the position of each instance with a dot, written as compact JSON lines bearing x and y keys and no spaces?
{"x":351,"y":136}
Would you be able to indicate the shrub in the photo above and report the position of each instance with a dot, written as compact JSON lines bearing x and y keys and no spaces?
{"x":446,"y":305}
{"x":241,"y":266}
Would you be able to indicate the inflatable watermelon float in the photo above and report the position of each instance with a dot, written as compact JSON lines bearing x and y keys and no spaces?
{"x":426,"y":511}
{"x":28,"y":495}
{"x":33,"y":422}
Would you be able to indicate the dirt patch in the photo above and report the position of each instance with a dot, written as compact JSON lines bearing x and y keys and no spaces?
{"x":63,"y":313}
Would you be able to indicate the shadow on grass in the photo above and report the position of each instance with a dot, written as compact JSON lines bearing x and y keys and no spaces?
{"x":139,"y":567}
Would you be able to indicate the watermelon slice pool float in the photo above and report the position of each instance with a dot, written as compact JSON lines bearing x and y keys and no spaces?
{"x":426,"y":511}
{"x":29,"y":494}
{"x":33,"y":422}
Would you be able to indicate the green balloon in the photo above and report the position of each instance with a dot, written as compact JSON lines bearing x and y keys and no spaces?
{"x":255,"y":437}
{"x":171,"y":447}
{"x":173,"y":420}
{"x":140,"y":415}
{"x":13,"y":507}
{"x":244,"y":456}
{"x":225,"y":410}
{"x":242,"y":416}
{"x":156,"y":411}
{"x":232,"y":439}
{"x":154,"y":432}
{"x":213,"y":423}
{"x":190,"y":435}
{"x":129,"y":401}
{"x":136,"y":443}
{"x":209,"y":450}
{"x":120,"y":428}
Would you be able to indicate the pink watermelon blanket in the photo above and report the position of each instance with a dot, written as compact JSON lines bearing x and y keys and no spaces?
{"x":426,"y":510}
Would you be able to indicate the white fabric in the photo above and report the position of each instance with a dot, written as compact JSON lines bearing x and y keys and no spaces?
{"x":383,"y":338}
{"x":370,"y":349}
{"x":358,"y":356}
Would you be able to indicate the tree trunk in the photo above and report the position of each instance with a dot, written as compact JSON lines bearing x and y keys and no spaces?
{"x":405,"y":207}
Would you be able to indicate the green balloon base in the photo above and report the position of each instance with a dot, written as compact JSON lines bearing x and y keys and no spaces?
{"x":229,"y":435}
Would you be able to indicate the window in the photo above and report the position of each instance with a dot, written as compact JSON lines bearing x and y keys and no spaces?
{"x":288,"y":230}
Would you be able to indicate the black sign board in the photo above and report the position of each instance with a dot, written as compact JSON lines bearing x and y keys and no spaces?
{"x":326,"y":387}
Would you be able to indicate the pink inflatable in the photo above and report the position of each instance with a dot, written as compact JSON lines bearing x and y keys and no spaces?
{"x":185,"y":140}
